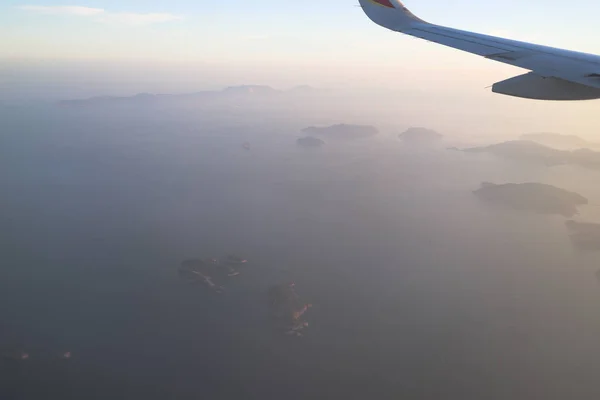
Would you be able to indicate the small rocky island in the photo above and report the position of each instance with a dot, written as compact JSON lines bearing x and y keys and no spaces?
{"x":585,"y":235}
{"x":208,"y":271}
{"x":310,"y":141}
{"x":343,"y":131}
{"x":535,"y":197}
{"x":419,"y":135}
{"x":286,"y":308}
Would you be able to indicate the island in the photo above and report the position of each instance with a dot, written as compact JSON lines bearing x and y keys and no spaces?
{"x":584,"y":235}
{"x":534,"y":197}
{"x":420,"y":135}
{"x":343,"y":131}
{"x":585,"y":158}
{"x":196,"y":270}
{"x":524,"y":151}
{"x":535,"y":153}
{"x":287,"y":309}
{"x":207,"y":271}
{"x":310,"y":141}
{"x":559,"y":141}
{"x":305,"y":90}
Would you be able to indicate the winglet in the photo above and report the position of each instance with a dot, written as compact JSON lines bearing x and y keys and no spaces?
{"x":390,"y":14}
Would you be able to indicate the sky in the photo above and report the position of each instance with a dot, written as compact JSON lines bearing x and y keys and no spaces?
{"x":268,"y":30}
{"x":183,"y":45}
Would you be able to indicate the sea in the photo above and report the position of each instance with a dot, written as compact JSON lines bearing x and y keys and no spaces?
{"x":419,"y":290}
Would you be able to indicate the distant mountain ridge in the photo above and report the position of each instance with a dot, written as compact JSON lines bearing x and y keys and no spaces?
{"x":242,"y":91}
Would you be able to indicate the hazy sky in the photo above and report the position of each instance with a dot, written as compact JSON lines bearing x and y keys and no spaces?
{"x":128,"y":46}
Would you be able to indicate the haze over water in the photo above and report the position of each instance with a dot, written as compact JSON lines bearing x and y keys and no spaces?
{"x":419,"y":290}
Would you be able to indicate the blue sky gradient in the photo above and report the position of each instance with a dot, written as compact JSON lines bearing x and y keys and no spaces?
{"x":280,"y":31}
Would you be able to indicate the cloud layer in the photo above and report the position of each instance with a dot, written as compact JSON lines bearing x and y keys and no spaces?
{"x":64,"y":10}
{"x":101,"y":15}
{"x":138,"y":19}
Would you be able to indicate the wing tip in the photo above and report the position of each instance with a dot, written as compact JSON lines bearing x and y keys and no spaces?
{"x":391,"y":14}
{"x":384,"y":3}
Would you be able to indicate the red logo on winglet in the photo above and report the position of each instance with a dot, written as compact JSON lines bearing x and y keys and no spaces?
{"x":385,"y":3}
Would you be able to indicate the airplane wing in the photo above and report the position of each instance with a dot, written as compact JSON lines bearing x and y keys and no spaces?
{"x":555,"y":74}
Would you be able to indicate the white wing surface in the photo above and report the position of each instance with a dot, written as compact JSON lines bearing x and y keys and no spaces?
{"x":555,"y":74}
